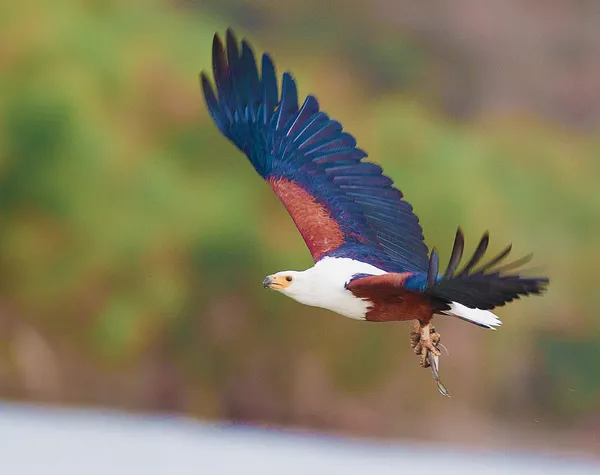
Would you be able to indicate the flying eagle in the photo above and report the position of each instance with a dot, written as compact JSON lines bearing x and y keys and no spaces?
{"x":371,"y":262}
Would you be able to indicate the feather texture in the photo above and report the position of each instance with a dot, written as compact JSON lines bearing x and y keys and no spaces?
{"x":303,"y":147}
{"x":483,"y":288}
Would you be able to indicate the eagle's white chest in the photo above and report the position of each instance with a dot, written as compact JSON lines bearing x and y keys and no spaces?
{"x":324,"y":285}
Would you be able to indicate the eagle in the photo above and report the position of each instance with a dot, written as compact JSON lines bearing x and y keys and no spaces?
{"x":371,"y":261}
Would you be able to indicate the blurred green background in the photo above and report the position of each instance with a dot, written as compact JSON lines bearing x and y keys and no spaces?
{"x":135,"y":238}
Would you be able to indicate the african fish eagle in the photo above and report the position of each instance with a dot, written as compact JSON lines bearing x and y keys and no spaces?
{"x":371,"y":262}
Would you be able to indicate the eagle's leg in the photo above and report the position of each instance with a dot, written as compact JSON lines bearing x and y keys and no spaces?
{"x":424,"y":339}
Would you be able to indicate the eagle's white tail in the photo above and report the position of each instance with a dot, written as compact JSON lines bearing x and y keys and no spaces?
{"x":483,"y":318}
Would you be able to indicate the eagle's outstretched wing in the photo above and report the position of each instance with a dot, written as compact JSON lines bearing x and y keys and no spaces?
{"x":343,"y":206}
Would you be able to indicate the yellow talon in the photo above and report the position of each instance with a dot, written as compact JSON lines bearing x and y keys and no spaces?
{"x":425,"y":341}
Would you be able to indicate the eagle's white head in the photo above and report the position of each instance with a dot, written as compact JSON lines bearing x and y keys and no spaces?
{"x":294,"y":284}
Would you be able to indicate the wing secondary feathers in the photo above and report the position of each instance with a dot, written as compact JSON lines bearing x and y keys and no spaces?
{"x":360,"y":213}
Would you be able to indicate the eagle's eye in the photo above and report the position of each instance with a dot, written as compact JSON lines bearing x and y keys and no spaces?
{"x":289,"y":278}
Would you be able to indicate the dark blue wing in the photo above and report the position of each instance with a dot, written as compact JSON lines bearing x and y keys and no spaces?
{"x":303,"y":148}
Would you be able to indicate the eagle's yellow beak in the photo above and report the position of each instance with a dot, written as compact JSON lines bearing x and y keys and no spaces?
{"x":277,"y":282}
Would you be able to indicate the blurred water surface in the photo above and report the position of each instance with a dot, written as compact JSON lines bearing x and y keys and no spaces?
{"x":62,"y":442}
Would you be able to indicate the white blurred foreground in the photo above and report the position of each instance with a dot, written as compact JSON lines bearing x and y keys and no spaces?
{"x":62,"y":442}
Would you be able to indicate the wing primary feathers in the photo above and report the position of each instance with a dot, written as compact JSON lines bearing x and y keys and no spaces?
{"x":289,"y":101}
{"x":477,"y":255}
{"x":457,"y":252}
{"x":433,"y":269}
{"x":211,"y":100}
{"x":222,"y":77}
{"x":235,"y":71}
{"x":310,"y":161}
{"x":252,"y":80}
{"x":269,"y":83}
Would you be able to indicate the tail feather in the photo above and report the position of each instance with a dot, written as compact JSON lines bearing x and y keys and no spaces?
{"x":483,"y":318}
{"x":470,"y":294}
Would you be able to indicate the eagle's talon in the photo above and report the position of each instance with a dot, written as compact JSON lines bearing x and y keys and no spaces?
{"x":415,"y":337}
{"x":428,"y":346}
{"x":424,"y":340}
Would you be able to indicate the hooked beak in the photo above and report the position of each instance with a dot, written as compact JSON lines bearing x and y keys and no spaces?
{"x":268,"y":282}
{"x":273,"y":282}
